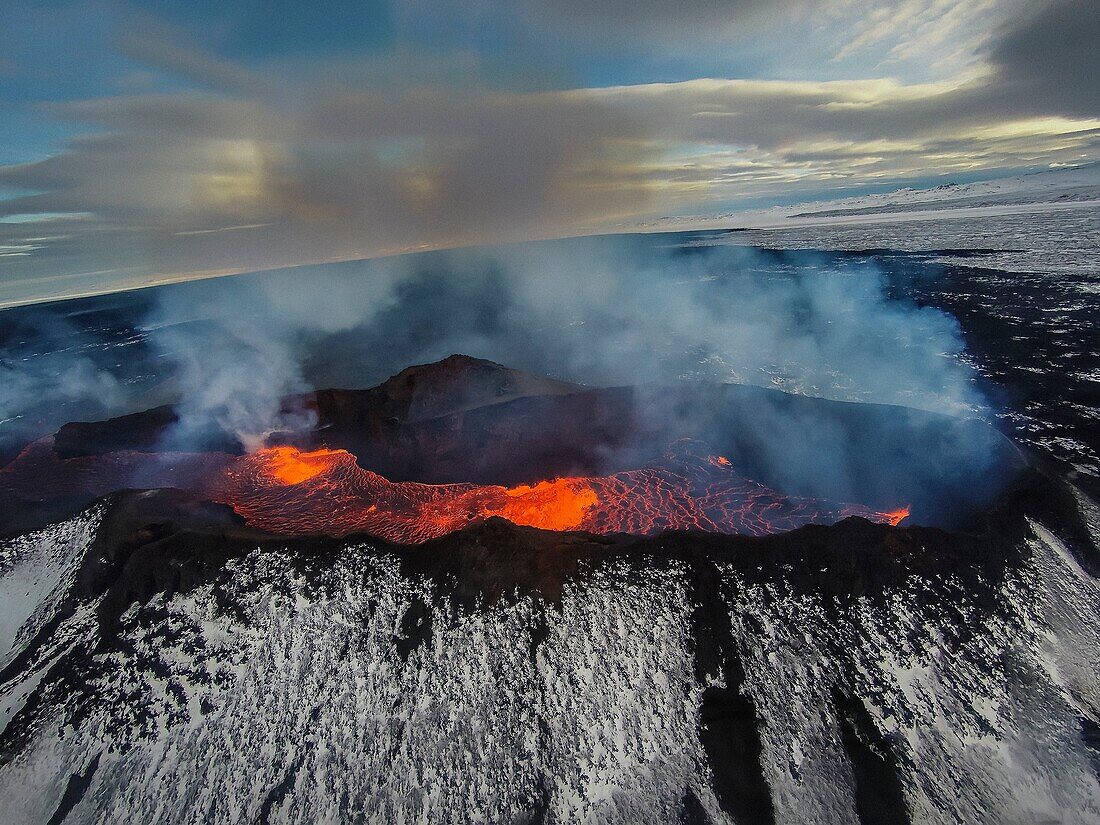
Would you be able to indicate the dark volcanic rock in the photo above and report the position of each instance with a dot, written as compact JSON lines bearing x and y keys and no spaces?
{"x":148,"y":431}
{"x":138,"y":431}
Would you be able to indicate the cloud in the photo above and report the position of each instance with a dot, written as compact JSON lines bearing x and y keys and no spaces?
{"x":941,"y":32}
{"x":167,"y":48}
{"x":342,"y":174}
{"x":242,"y":168}
{"x":661,"y":19}
{"x":1050,"y":52}
{"x":745,"y":137}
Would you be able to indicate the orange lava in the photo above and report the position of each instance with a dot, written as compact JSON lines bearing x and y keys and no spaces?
{"x":550,"y":505}
{"x":282,"y":490}
{"x":286,"y":491}
{"x":291,"y":466}
{"x":895,"y":517}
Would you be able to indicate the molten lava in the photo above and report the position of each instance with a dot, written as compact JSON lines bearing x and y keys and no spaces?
{"x":282,"y":490}
{"x":551,"y":505}
{"x":289,"y":465}
{"x":895,"y":517}
{"x":286,"y":491}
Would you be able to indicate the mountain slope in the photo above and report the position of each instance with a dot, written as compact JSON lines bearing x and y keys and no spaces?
{"x":855,"y":673}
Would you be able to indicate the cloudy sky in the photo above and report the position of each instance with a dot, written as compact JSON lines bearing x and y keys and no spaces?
{"x":146,"y":140}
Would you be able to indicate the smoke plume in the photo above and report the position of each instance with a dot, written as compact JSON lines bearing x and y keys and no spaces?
{"x":598,"y":311}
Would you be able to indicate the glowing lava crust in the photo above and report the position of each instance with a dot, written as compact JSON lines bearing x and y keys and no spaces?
{"x":286,"y":491}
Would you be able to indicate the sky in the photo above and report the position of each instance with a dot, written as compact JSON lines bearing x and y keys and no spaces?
{"x":144,"y":141}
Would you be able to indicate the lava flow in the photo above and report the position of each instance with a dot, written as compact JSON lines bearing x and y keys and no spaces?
{"x":286,"y":491}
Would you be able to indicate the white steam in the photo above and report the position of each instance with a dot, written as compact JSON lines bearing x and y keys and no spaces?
{"x":621,"y":310}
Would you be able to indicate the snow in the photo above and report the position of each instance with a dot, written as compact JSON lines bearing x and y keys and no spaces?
{"x":1057,"y":189}
{"x":35,"y":571}
{"x":277,"y":690}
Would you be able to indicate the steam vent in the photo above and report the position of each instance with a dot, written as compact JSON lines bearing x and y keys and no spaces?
{"x":471,"y":589}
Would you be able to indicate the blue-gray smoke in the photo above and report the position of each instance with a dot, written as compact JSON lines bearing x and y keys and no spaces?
{"x":610,"y":310}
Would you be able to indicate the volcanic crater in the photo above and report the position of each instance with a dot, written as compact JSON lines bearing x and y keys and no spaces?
{"x":444,"y":446}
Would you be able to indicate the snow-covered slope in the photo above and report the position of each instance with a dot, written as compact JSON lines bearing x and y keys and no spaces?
{"x":1055,"y":186}
{"x":1043,"y":191}
{"x":846,"y":674}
